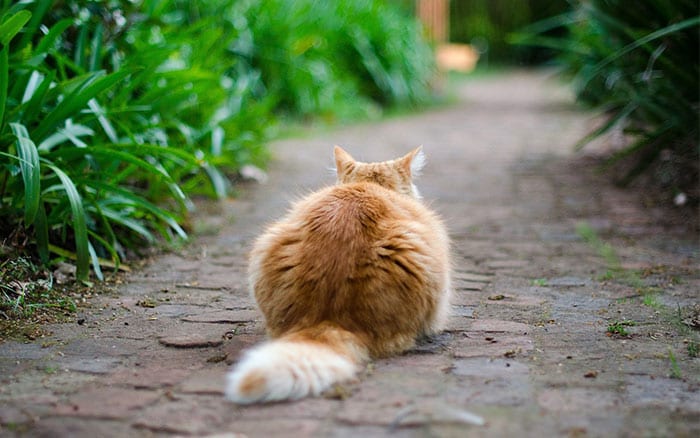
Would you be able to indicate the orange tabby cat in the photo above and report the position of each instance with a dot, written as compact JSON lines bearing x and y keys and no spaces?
{"x":354,"y":271}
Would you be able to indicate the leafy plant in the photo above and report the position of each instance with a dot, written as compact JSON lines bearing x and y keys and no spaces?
{"x":693,"y":349}
{"x":618,"y":328}
{"x":640,"y":65}
{"x":113,"y":114}
{"x":338,"y":59}
{"x":104,"y":138}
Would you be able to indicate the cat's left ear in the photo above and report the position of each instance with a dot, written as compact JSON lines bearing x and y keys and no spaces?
{"x":413,"y":162}
{"x":343,"y":161}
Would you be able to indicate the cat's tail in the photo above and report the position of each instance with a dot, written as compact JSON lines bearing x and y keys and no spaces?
{"x":306,"y":362}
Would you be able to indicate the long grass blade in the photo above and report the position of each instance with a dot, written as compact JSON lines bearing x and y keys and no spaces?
{"x":29,"y":166}
{"x":11,"y":26}
{"x":104,"y":121}
{"x":77,"y":100}
{"x":617,"y":118}
{"x":142,"y":204}
{"x":31,"y":110}
{"x":690,"y":22}
{"x":115,"y":262}
{"x":82,"y":244}
{"x":42,"y":6}
{"x":50,"y":38}
{"x":95,"y":262}
{"x":4,"y":81}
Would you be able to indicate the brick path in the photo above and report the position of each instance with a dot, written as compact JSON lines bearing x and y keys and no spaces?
{"x":526,"y":351}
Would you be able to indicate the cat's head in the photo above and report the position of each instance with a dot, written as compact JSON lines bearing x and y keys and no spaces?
{"x":394,"y":175}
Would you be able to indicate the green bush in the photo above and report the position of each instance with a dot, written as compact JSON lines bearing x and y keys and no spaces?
{"x":112,"y":114}
{"x":640,"y":64}
{"x":107,"y":126}
{"x":338,"y":59}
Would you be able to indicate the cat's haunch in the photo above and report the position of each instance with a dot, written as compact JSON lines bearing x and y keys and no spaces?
{"x":354,"y":271}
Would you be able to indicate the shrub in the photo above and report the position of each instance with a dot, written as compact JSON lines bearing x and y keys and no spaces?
{"x":339,"y":58}
{"x":112,"y":114}
{"x":108,"y":126}
{"x":640,"y":65}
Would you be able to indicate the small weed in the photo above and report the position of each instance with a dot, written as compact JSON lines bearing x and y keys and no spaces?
{"x":651,"y":300}
{"x":540,"y":282}
{"x":675,"y":369}
{"x":618,"y":328}
{"x":693,"y":349}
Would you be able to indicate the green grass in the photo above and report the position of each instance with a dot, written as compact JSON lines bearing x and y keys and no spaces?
{"x":618,"y":328}
{"x":675,"y":369}
{"x":540,"y":282}
{"x":651,"y":300}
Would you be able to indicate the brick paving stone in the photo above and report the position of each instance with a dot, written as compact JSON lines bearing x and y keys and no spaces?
{"x":310,"y":408}
{"x":506,"y":264}
{"x":93,"y":365}
{"x":194,"y":340}
{"x":578,"y":399}
{"x":149,"y":376}
{"x":472,"y":277}
{"x":498,"y":326}
{"x":476,"y":344}
{"x":22,"y":350}
{"x":53,"y":427}
{"x":186,"y":415}
{"x":224,"y":316}
{"x":206,"y":381}
{"x":277,"y":427}
{"x":106,"y":402}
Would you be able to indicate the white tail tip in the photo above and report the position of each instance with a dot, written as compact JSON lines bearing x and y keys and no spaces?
{"x":286,"y":370}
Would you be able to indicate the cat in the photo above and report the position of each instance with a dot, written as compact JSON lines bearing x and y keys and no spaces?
{"x":355,"y":271}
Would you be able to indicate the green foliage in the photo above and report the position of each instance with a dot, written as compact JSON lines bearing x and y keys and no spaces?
{"x":675,"y":369}
{"x":539,"y":282}
{"x":641,"y":66}
{"x":693,"y":349}
{"x":102,"y":126}
{"x":617,"y":328}
{"x":113,"y":114}
{"x":336,"y":58}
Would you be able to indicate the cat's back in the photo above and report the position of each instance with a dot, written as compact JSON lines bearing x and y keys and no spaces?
{"x":352,"y":211}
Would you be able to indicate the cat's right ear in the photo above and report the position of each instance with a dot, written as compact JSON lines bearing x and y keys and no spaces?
{"x":343,"y":161}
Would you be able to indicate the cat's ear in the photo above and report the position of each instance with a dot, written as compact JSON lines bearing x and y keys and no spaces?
{"x":413,"y":162}
{"x":343,"y":161}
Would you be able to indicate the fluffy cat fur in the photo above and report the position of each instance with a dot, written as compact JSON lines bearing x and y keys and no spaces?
{"x":355,"y":271}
